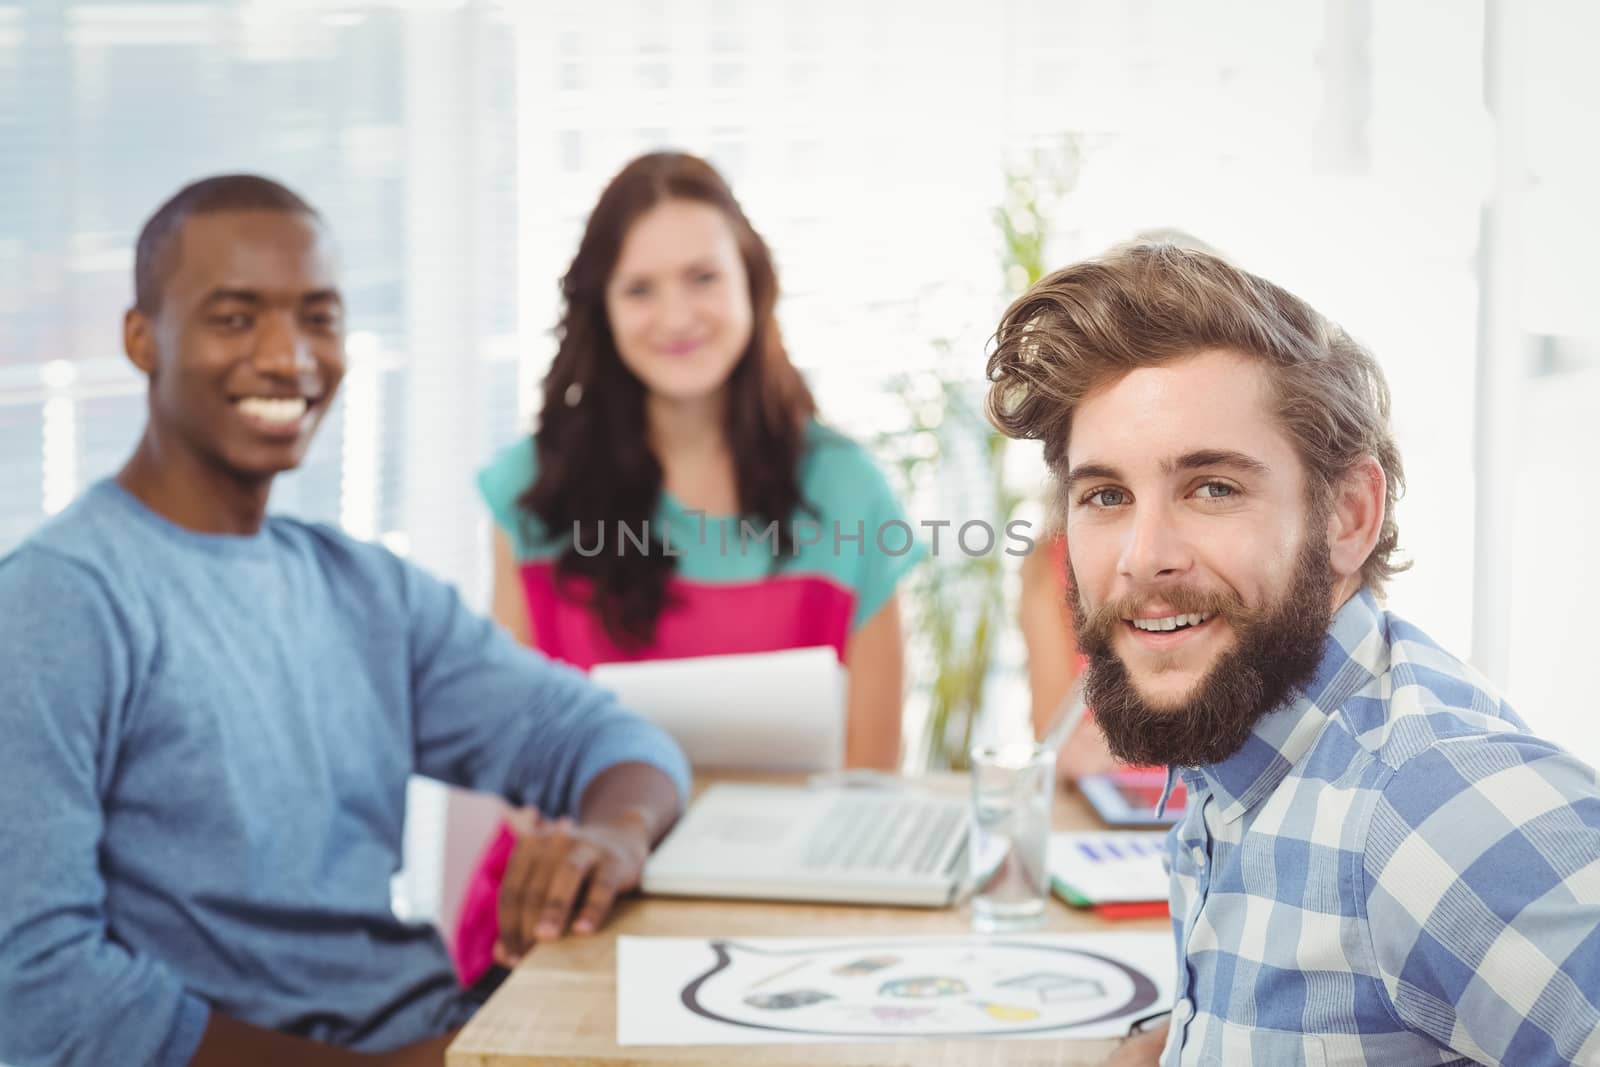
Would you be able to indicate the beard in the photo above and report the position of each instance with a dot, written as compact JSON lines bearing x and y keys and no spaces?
{"x":1277,"y":649}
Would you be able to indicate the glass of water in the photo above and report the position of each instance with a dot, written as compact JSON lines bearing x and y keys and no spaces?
{"x":1012,"y":787}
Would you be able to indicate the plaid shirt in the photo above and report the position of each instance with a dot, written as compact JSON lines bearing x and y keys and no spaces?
{"x":1391,"y":871}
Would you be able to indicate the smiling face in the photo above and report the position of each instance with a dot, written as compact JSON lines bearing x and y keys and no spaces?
{"x":678,"y":300}
{"x":1201,"y":575}
{"x":246,"y":348}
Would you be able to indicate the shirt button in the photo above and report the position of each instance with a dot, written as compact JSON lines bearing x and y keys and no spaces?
{"x":1199,"y":855}
{"x":1182,"y":1011}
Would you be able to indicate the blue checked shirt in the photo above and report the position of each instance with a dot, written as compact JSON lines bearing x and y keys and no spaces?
{"x":1390,"y":872}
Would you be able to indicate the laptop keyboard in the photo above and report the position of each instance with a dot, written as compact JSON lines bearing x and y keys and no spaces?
{"x":901,"y":835}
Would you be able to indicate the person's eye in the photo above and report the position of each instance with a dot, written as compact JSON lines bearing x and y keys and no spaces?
{"x":236,"y":321}
{"x":1104,"y":498}
{"x":636,"y":292}
{"x":322,"y":320}
{"x":706,"y":277}
{"x":1215,"y":491}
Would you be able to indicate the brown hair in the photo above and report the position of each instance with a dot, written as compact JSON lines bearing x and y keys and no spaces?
{"x":1146,"y":305}
{"x":595,"y":462}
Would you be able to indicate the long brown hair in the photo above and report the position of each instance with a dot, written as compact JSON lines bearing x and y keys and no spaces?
{"x":595,"y":464}
{"x":1146,"y":305}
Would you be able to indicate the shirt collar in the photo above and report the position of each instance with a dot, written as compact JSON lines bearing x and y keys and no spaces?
{"x":1351,"y":657}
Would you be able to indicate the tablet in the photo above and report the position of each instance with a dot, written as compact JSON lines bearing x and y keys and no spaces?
{"x":1129,"y":797}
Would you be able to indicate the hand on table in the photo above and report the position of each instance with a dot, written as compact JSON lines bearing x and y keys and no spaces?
{"x":561,"y":872}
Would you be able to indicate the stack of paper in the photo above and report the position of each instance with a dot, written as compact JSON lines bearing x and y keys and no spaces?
{"x":761,"y":711}
{"x":1110,"y":869}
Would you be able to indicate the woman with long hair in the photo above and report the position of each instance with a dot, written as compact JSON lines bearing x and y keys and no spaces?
{"x":679,"y":497}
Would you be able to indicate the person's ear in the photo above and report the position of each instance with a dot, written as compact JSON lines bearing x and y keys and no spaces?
{"x":139,"y":340}
{"x":1356,"y":516}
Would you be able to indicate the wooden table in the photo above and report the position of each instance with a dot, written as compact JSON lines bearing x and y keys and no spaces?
{"x":560,"y":1005}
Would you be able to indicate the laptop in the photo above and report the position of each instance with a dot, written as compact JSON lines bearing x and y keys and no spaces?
{"x":832,"y":844}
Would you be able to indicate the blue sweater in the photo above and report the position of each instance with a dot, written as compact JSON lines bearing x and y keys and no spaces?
{"x":204,"y":747}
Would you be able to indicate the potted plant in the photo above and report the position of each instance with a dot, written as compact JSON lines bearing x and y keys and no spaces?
{"x":956,"y":603}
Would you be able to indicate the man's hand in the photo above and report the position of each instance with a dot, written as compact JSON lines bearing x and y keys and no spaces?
{"x":561,"y":872}
{"x":1141,"y":1050}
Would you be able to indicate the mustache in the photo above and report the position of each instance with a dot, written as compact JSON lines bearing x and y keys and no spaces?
{"x":1096,"y":624}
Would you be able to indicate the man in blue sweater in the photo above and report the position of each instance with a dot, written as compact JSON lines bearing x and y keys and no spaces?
{"x":209,"y":715}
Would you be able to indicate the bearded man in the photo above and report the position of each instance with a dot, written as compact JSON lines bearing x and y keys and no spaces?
{"x":1379,"y":864}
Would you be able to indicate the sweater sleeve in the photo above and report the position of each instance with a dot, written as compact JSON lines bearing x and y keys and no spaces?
{"x":72,"y":993}
{"x":494,"y":716}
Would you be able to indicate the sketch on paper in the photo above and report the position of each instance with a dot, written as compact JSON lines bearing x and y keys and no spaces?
{"x":725,"y":991}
